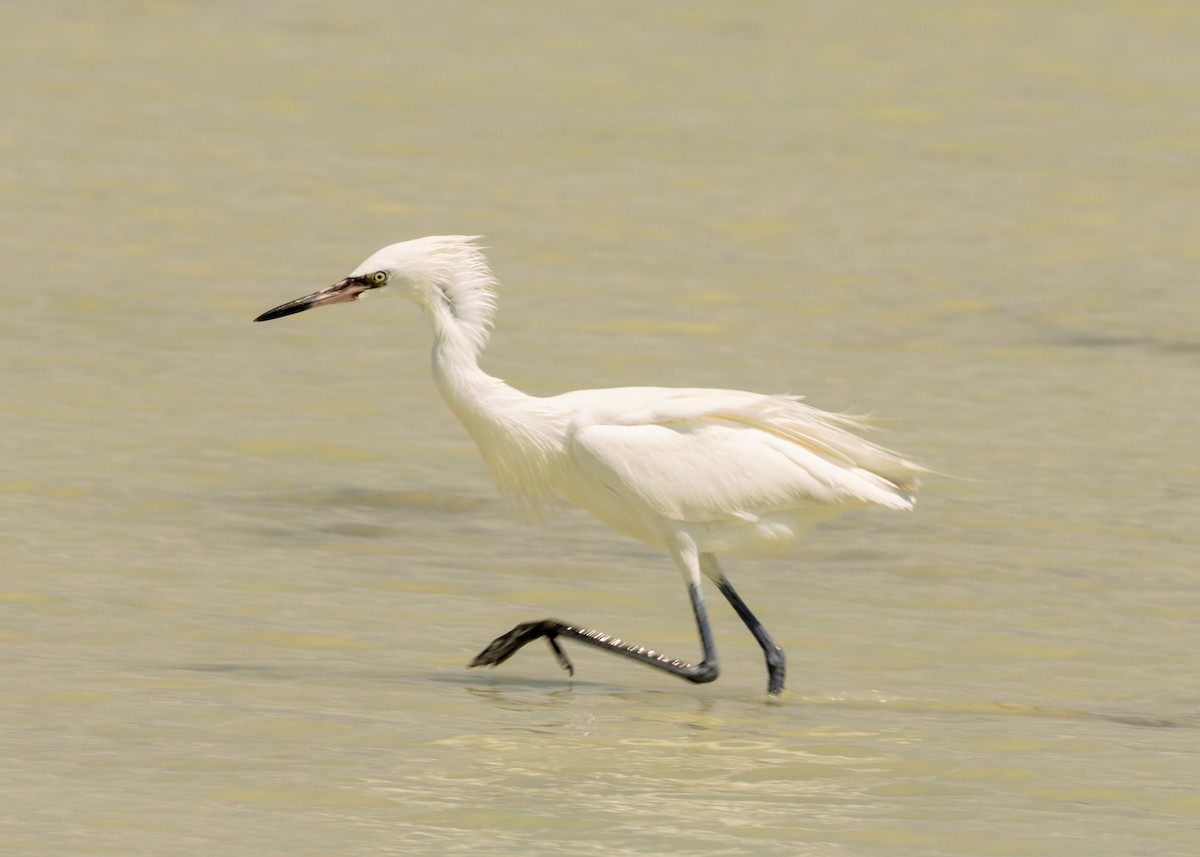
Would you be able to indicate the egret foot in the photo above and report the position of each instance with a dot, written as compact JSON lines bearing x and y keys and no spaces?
{"x":505,"y":646}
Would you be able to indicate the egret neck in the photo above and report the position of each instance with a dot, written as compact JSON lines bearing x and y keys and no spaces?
{"x":518,"y":434}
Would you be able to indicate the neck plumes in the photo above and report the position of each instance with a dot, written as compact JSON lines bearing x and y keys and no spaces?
{"x":518,"y":439}
{"x":458,"y":294}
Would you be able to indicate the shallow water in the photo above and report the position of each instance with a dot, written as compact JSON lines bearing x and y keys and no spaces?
{"x":245,"y":565}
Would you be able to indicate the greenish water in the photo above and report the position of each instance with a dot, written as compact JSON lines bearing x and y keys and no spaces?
{"x":244,"y":566}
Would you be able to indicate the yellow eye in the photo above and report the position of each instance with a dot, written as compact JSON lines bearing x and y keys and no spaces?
{"x":379,"y":278}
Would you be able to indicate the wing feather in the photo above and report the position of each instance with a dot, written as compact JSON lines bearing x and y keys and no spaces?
{"x":700,"y":455}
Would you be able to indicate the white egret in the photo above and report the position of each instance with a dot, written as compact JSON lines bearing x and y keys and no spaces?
{"x":695,"y":471}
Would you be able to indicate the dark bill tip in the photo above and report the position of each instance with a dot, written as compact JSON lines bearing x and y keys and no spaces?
{"x":347,"y":290}
{"x":289,"y":308}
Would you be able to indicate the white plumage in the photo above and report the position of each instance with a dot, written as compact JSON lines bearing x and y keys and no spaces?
{"x":696,"y":471}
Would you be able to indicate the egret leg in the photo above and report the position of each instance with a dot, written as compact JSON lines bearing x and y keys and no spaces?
{"x":506,"y":645}
{"x":776,"y":660}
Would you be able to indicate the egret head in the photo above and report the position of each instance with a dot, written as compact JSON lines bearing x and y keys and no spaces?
{"x":422,"y":269}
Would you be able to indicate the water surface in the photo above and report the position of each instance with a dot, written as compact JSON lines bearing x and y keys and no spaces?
{"x":244,"y":566}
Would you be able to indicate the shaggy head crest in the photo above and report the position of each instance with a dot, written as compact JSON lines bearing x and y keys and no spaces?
{"x":444,"y":274}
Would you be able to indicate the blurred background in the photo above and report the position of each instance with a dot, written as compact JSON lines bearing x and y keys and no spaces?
{"x":245,"y":565}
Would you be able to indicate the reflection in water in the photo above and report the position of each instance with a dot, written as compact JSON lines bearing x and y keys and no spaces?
{"x":353,"y":497}
{"x":507,"y":693}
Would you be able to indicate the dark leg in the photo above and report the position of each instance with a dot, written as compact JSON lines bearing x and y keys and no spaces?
{"x":505,"y":646}
{"x":771,"y":650}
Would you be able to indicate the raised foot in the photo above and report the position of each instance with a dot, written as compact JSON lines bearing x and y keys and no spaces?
{"x":505,"y":646}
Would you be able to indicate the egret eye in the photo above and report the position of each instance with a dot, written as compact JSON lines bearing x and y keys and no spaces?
{"x":379,"y":278}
